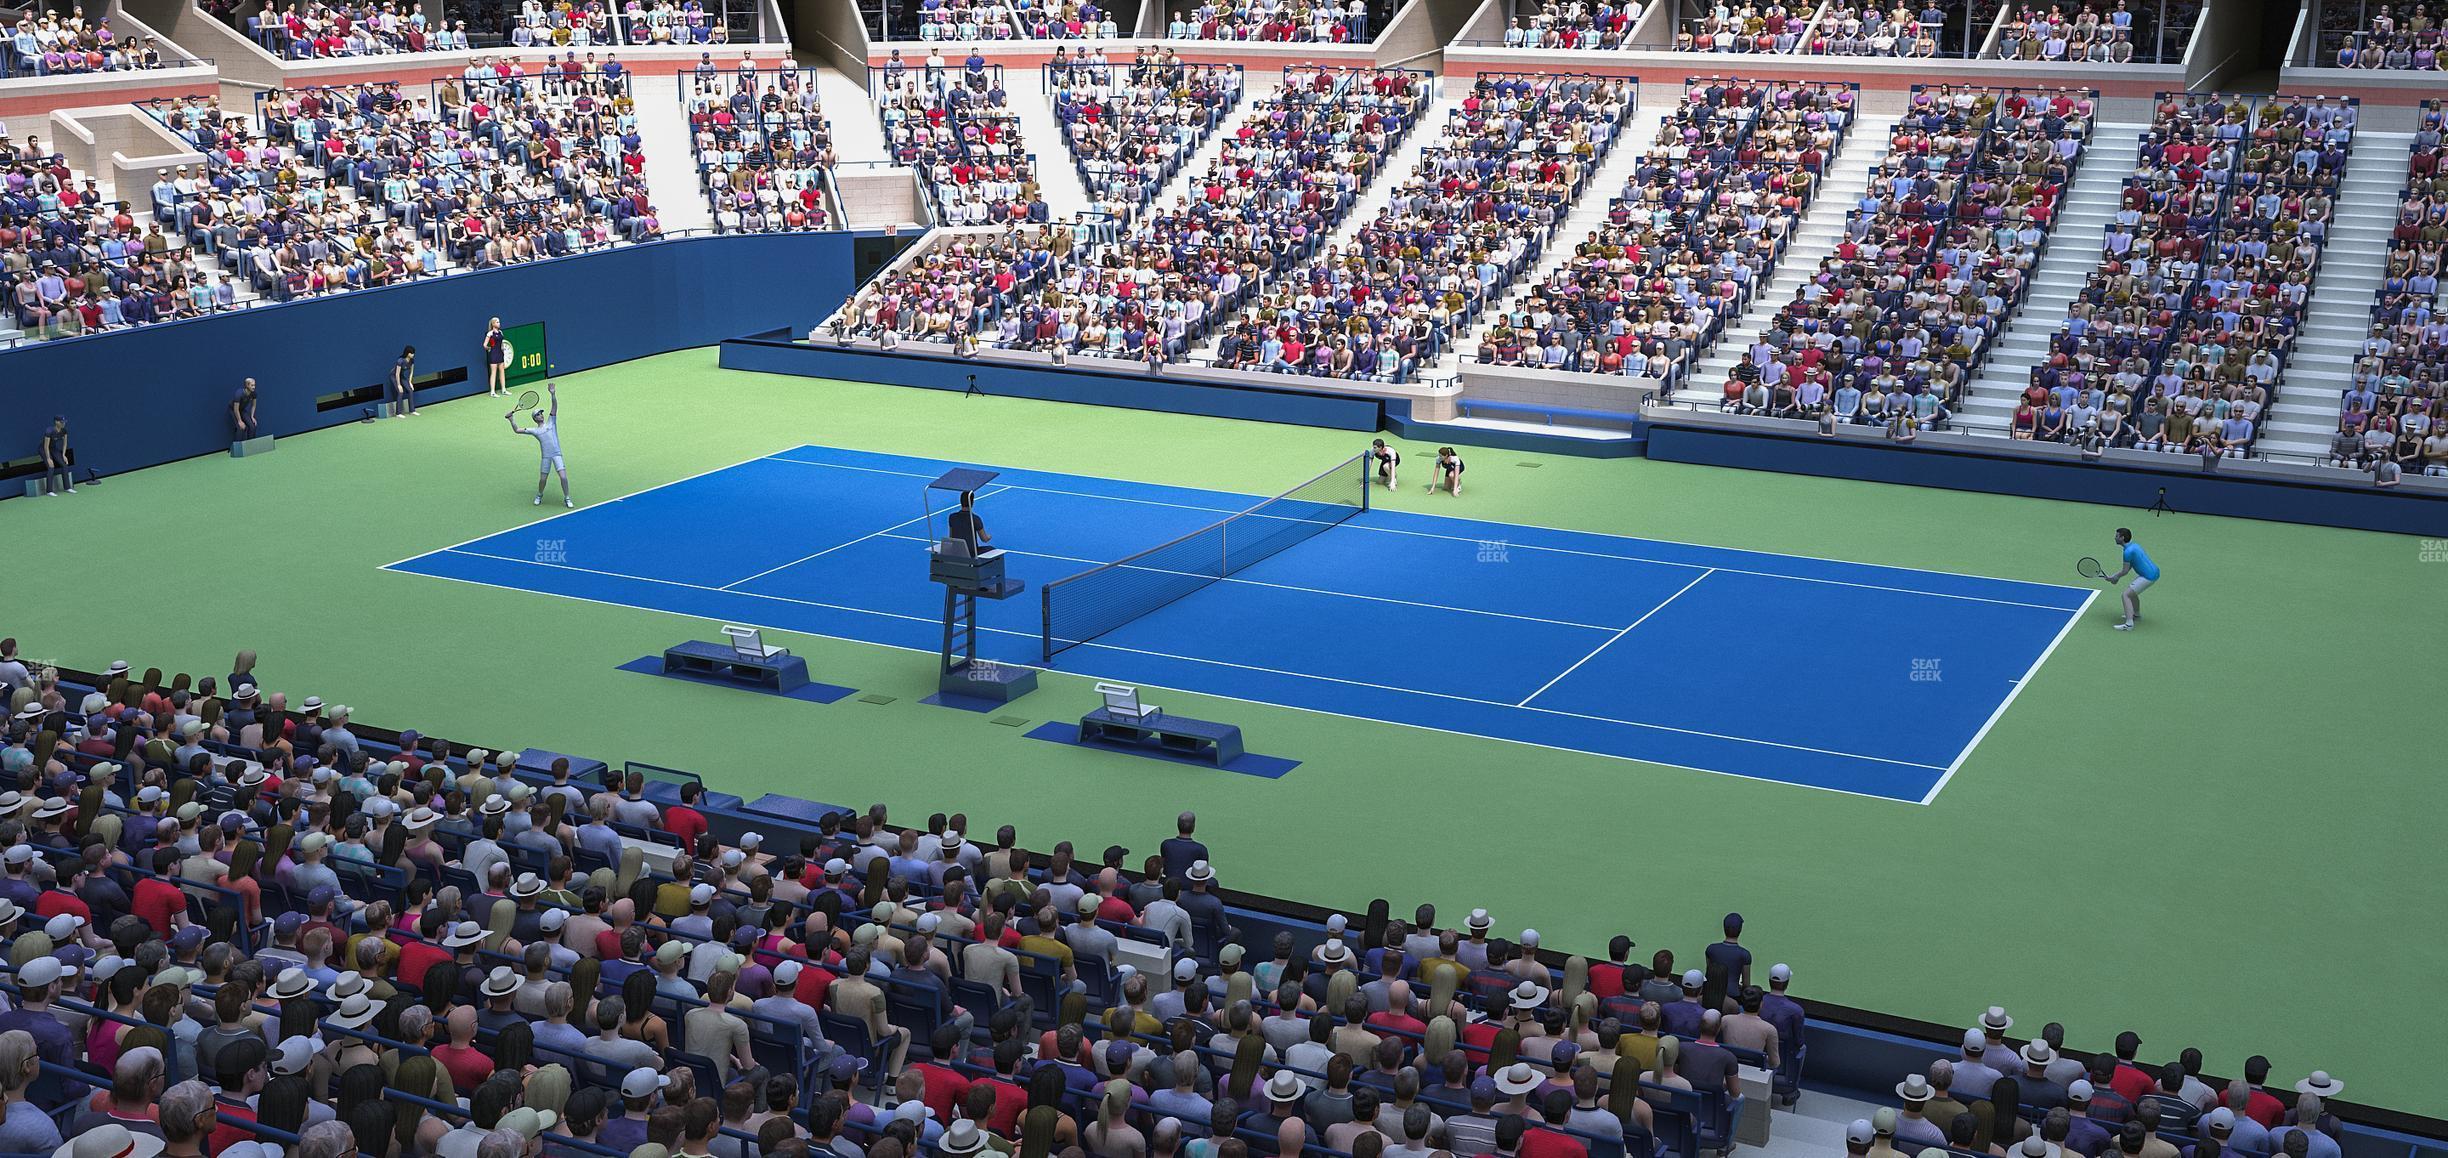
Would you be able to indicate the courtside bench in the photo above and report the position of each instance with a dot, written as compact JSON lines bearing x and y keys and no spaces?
{"x":1174,"y":735}
{"x":724,"y":662}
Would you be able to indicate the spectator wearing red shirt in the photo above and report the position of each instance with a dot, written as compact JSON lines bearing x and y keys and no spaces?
{"x":155,"y":899}
{"x":1607,"y":980}
{"x":1010,"y":1097}
{"x":467,"y":1066}
{"x":683,"y":820}
{"x":416,"y":957}
{"x":945,"y":1087}
{"x":1549,"y":1140}
{"x":1396,"y":1017}
{"x":242,"y":1073}
{"x":2261,"y":1105}
{"x":63,"y":898}
{"x":2129,"y":1079}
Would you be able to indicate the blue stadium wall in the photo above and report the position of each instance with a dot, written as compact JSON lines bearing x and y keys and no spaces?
{"x":159,"y":394}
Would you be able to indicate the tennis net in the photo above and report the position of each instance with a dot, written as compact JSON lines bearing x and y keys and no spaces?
{"x":1081,"y":607}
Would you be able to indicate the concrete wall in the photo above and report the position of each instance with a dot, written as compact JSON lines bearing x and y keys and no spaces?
{"x":202,"y":35}
{"x":1095,"y":381}
{"x":121,"y":147}
{"x":28,"y":99}
{"x":2225,"y":38}
{"x":833,"y":31}
{"x":1420,"y":28}
{"x":2131,"y":479}
{"x":875,"y":196}
{"x":2125,"y":90}
{"x":1611,"y":393}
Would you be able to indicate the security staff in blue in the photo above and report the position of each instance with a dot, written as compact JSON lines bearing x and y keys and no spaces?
{"x":2137,"y":562}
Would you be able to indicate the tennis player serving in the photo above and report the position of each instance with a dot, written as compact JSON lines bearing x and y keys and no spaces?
{"x":2137,"y":562}
{"x":547,"y":433}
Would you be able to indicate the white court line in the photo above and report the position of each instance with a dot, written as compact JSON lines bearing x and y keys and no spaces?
{"x":1304,"y":590}
{"x":2008,"y":702}
{"x":886,"y":533}
{"x":711,"y":590}
{"x":1329,"y":712}
{"x":782,"y":457}
{"x":1564,"y":550}
{"x":1612,"y":638}
{"x":582,"y":510}
{"x":1216,"y":663}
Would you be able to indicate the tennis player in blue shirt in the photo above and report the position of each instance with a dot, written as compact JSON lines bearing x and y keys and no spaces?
{"x":2137,"y":562}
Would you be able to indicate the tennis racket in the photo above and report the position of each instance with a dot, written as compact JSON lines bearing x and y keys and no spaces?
{"x":2089,"y":568}
{"x":528,"y":398}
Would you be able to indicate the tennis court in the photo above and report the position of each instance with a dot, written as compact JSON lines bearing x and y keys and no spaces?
{"x":1849,"y":677}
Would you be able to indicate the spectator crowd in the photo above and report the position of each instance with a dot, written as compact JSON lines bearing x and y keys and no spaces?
{"x":2391,"y":410}
{"x":955,"y":126}
{"x":1131,"y":128}
{"x":43,"y":43}
{"x":1935,"y":257}
{"x":1706,"y":212}
{"x":1297,"y":21}
{"x":2085,"y":35}
{"x":2377,"y":34}
{"x":322,"y":31}
{"x":1474,"y":214}
{"x":1575,"y":24}
{"x":238,"y":924}
{"x":763,"y":149}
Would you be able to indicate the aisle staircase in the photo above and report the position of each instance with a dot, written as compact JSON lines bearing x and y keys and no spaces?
{"x":1815,"y":236}
{"x":2304,"y":413}
{"x":1633,"y":141}
{"x":1058,"y":180}
{"x":671,"y":165}
{"x":2065,"y":267}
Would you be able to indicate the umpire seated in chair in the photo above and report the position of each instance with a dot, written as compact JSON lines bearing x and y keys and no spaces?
{"x":962,"y":557}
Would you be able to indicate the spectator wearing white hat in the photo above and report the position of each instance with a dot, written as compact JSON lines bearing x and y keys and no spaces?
{"x":17,"y":877}
{"x":1682,"y":1017}
{"x":38,"y":985}
{"x":2036,"y":1088}
{"x":1914,"y":1130}
{"x":2084,"y":1135}
{"x":1973,"y":1073}
{"x":698,"y":923}
{"x":1205,"y":906}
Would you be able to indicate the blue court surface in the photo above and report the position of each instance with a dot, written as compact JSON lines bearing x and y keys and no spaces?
{"x":1875,"y":681}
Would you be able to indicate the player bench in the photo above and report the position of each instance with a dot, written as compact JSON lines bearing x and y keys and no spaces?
{"x":1174,"y":735}
{"x":728,"y":663}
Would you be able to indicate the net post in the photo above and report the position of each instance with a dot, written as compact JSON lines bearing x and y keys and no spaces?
{"x":1045,"y":601}
{"x":1363,"y":460}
